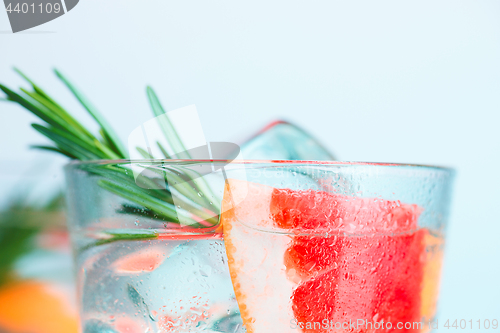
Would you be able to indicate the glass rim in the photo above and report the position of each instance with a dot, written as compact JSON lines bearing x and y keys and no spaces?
{"x":271,"y":162}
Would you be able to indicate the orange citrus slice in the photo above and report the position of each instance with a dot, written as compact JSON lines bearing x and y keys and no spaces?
{"x":37,"y":308}
{"x":264,"y":303}
{"x":432,"y":275}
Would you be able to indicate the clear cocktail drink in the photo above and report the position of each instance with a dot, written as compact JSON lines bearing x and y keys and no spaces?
{"x":175,"y":283}
{"x":298,"y":247}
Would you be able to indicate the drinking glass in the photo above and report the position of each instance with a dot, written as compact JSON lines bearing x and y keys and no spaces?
{"x":256,"y":246}
{"x":36,"y":282}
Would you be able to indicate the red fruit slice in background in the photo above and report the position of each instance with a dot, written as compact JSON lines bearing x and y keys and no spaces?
{"x":146,"y":260}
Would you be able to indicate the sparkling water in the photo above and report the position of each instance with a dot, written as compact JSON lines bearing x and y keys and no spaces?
{"x":161,"y":285}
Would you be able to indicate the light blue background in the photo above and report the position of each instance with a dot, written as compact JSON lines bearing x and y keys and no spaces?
{"x":394,"y":81}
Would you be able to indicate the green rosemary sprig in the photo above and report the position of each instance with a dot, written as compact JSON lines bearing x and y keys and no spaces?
{"x":69,"y":136}
{"x":107,"y":132}
{"x":73,"y":140}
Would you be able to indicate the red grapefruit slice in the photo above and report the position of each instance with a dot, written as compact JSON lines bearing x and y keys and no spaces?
{"x":288,"y":274}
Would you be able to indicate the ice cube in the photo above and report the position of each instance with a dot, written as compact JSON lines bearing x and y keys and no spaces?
{"x":96,"y":326}
{"x":230,"y":323}
{"x":281,"y":140}
{"x":190,"y":290}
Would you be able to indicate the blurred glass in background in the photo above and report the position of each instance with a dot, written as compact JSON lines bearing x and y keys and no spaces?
{"x":36,"y":279}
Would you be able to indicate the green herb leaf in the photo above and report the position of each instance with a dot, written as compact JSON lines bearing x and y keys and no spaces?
{"x":95,"y":114}
{"x":163,"y":151}
{"x":69,"y":140}
{"x":55,"y":150}
{"x":44,"y":99}
{"x":133,"y":194}
{"x":166,"y":126}
{"x":37,"y":109}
